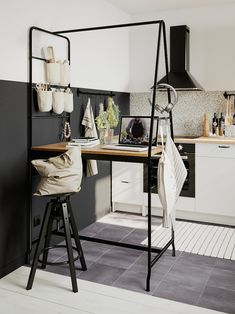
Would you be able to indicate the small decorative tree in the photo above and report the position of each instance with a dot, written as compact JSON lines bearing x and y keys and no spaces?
{"x":107,"y":120}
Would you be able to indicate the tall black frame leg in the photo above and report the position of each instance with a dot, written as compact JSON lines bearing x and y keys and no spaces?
{"x":69,"y":246}
{"x":47,"y":240}
{"x":39,"y":245}
{"x":76,"y":236}
{"x":149,"y":228}
{"x":173,"y":241}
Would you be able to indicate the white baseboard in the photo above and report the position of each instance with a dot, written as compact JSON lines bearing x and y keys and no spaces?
{"x":181,"y":214}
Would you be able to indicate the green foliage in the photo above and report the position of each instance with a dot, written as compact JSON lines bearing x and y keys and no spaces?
{"x":110,"y":117}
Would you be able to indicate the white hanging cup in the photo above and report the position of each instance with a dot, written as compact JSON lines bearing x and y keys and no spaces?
{"x":53,"y":73}
{"x":44,"y":100}
{"x":65,"y":73}
{"x":58,"y":102}
{"x":68,"y":101}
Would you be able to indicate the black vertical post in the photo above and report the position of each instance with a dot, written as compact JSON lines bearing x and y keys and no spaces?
{"x":29,"y":144}
{"x":150,"y":161}
{"x":167,"y":77}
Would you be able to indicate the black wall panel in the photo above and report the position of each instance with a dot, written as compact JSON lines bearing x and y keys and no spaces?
{"x":94,"y":200}
{"x":13,"y":175}
{"x":91,"y":203}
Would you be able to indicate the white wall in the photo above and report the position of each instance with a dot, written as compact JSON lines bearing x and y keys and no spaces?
{"x":212,"y":50}
{"x":99,"y":60}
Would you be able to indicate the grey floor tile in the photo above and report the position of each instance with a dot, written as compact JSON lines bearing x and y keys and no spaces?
{"x":222,"y":278}
{"x":93,"y":251}
{"x":169,"y":289}
{"x":218,"y":299}
{"x":225,"y":264}
{"x":93,"y":228}
{"x":136,"y":236}
{"x":190,"y":276}
{"x":197,"y":259}
{"x":114,"y":233}
{"x":136,"y":281}
{"x":62,"y":270}
{"x":163,"y":265}
{"x":103,"y":274}
{"x":119,"y":257}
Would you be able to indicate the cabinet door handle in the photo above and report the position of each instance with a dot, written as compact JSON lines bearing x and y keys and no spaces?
{"x":123,"y":181}
{"x":224,"y":146}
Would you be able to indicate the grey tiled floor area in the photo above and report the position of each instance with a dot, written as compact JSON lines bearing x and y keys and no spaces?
{"x":198,"y":280}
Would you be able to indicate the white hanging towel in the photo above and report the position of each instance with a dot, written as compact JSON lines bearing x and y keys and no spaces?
{"x":90,"y":131}
{"x":171,"y":176}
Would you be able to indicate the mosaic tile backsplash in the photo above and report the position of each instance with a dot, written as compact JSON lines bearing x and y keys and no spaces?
{"x":188,"y":113}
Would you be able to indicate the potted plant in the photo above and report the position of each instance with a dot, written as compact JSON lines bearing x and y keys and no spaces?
{"x":107,"y":120}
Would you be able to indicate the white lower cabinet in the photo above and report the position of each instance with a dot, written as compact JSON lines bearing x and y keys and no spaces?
{"x":128,"y":195}
{"x":215,"y":179}
{"x":214,"y":187}
{"x":127,"y":186}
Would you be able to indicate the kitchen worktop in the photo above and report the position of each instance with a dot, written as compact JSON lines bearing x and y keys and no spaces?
{"x":201,"y":139}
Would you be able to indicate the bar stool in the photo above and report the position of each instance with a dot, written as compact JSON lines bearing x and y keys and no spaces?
{"x":58,"y":209}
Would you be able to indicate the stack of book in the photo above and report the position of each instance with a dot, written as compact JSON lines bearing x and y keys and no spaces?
{"x":85,"y":142}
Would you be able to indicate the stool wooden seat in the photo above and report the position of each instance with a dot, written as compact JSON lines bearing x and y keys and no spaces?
{"x":59,"y":207}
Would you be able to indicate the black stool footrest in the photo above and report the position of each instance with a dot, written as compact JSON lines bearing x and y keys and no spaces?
{"x":62,"y":262}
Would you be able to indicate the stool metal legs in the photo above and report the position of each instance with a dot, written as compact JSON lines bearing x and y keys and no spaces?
{"x":76,"y":236}
{"x":64,"y":210}
{"x":39,"y":244}
{"x":47,"y":241}
{"x":69,"y":246}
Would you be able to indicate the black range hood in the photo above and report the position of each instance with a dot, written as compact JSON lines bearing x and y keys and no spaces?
{"x":179,"y":75}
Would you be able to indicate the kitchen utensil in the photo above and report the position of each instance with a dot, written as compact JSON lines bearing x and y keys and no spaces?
{"x":49,"y":54}
{"x":206,"y":127}
{"x":227,"y":120}
{"x":52,"y":54}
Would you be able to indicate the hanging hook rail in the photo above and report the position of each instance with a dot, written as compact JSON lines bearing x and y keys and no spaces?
{"x":79,"y":92}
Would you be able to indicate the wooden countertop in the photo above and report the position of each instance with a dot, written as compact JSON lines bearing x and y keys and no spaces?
{"x":97,"y":150}
{"x":208,"y":140}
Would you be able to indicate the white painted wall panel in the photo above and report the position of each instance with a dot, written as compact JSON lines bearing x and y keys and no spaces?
{"x":88,"y":52}
{"x":211,"y":53}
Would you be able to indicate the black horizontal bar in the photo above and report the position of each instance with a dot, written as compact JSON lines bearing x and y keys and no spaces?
{"x":42,"y":59}
{"x":50,"y":116}
{"x":162,"y":251}
{"x":48,"y":32}
{"x":227,"y":94}
{"x":108,"y":27}
{"x":95,"y":94}
{"x":121,"y":244}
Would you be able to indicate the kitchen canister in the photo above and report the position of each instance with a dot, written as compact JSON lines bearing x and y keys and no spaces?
{"x":44,"y":100}
{"x":65,"y":73}
{"x":68,"y":100}
{"x":58,"y":101}
{"x":53,"y":73}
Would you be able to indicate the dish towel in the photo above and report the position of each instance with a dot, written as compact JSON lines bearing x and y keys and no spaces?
{"x":171,"y":176}
{"x":90,"y":130}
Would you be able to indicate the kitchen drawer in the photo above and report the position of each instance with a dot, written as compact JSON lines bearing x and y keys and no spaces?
{"x":125,"y":171}
{"x":215,"y":150}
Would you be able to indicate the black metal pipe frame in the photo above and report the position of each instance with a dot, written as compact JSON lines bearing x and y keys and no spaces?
{"x":30,"y":118}
{"x":161,"y":30}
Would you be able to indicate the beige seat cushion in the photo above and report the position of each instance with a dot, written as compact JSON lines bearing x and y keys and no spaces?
{"x":61,"y":174}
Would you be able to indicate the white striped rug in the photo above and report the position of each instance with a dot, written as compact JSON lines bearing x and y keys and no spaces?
{"x":208,"y":240}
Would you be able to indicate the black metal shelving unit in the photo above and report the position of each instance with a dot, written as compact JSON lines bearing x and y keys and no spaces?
{"x":37,"y":115}
{"x":161,"y":36}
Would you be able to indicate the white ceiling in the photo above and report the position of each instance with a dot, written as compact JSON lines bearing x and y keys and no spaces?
{"x":148,"y":6}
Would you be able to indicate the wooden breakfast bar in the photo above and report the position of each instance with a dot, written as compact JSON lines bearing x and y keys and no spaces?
{"x":99,"y":153}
